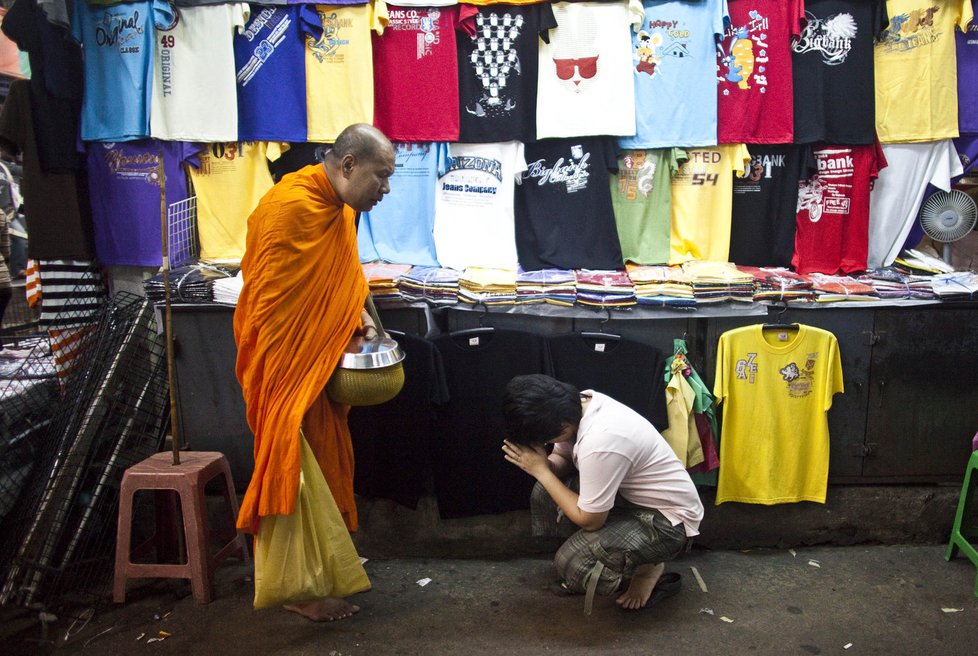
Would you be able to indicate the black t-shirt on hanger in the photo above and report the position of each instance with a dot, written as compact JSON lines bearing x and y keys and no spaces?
{"x":392,"y":453}
{"x":832,"y":61}
{"x":471,"y":476}
{"x":564,"y":215}
{"x":497,"y":73}
{"x":629,"y":372}
{"x":762,"y":229}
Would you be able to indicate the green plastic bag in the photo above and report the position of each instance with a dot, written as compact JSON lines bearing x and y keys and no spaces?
{"x":309,"y":554}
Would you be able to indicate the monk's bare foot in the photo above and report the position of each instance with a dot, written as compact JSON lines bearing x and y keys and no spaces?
{"x":328,"y":609}
{"x":640,"y":588}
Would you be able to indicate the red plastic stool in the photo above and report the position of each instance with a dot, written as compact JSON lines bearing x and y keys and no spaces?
{"x":187,"y":480}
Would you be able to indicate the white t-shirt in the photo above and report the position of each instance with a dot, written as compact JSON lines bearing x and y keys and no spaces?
{"x":899,"y":192}
{"x":194,"y":95}
{"x":584,"y":84}
{"x":474,"y":206}
{"x":619,"y":451}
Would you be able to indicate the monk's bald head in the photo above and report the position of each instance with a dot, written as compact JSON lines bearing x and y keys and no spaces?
{"x":359,"y":165}
{"x":363,"y":141}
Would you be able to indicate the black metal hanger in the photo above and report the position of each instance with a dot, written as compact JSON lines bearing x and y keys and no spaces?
{"x":483,"y":329}
{"x":779,"y":323}
{"x":601,"y":334}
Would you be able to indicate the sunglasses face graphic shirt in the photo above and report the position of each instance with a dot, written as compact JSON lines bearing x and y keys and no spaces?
{"x":575,"y":51}
{"x":575,"y":70}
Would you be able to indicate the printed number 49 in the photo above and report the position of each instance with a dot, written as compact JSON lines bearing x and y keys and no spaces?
{"x":703,"y":178}
{"x":167,"y":41}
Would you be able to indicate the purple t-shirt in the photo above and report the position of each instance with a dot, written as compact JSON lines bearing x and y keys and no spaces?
{"x":270,"y":60}
{"x":124,"y":181}
{"x":967,"y":74}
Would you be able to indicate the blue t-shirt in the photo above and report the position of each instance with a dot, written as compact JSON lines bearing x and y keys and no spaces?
{"x":674,"y":62}
{"x":270,"y":60}
{"x":400,"y":228}
{"x":118,"y":45}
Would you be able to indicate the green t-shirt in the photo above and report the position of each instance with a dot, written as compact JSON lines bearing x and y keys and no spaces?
{"x":641,"y":194}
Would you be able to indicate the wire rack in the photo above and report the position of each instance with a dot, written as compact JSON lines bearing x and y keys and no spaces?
{"x":181,"y":223}
{"x":60,"y":468}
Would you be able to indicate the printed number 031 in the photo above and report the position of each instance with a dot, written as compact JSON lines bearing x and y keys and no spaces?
{"x":167,"y":41}
{"x":703,"y":178}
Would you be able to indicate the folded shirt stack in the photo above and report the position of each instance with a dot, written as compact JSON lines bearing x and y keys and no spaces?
{"x":597,"y":288}
{"x":435,"y":285}
{"x":890,"y":282}
{"x":779,"y":284}
{"x":554,"y":286}
{"x":192,"y":283}
{"x":227,"y":290}
{"x":662,"y":286}
{"x":957,"y":286}
{"x":832,"y":289}
{"x":382,"y":279}
{"x":716,"y":282}
{"x":487,"y":286}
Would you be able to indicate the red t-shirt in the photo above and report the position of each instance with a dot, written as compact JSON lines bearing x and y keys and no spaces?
{"x":416,"y":73}
{"x":832,"y":224}
{"x":754,"y":75}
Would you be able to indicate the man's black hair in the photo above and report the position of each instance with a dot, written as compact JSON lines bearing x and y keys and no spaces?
{"x":537,"y":407}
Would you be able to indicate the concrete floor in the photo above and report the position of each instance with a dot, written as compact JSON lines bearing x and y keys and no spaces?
{"x":877,"y":599}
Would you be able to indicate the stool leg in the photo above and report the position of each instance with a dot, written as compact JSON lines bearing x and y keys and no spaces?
{"x":198,"y":543}
{"x":232,"y":505}
{"x":123,"y":540}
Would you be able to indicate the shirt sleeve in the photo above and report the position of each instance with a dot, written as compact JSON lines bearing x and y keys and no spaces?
{"x":741,"y":160}
{"x":164,"y":16}
{"x":379,"y":18}
{"x":722,"y":18}
{"x":520,"y":161}
{"x":309,"y":22}
{"x":796,"y":16}
{"x":240,"y":13}
{"x":77,"y":18}
{"x":677,"y":158}
{"x":19,"y":26}
{"x":965,"y":15}
{"x":601,"y":476}
{"x":720,"y":379}
{"x":835,"y":385}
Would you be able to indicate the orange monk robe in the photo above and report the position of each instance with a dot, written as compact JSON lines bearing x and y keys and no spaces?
{"x":300,"y":304}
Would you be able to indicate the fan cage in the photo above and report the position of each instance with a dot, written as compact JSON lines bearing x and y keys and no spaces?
{"x":948,"y":216}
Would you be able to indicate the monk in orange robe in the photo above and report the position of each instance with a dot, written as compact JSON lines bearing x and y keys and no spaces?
{"x":302,"y":301}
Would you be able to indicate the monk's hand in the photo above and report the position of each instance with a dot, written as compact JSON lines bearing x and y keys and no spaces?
{"x":531,"y":459}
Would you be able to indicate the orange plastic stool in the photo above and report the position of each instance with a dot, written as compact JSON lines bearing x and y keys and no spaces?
{"x":187,"y":480}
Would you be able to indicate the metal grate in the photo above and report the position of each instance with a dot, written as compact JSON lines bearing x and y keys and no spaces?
{"x":181,"y":224}
{"x":106,"y":412}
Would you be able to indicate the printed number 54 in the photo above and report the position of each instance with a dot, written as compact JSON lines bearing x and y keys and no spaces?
{"x":703,"y":178}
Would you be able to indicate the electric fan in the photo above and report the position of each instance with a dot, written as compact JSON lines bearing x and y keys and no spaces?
{"x":948,"y":216}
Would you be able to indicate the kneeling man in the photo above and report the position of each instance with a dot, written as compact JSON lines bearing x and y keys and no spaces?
{"x":633,"y":501}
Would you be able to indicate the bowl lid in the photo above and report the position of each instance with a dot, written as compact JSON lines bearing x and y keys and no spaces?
{"x":374,"y":353}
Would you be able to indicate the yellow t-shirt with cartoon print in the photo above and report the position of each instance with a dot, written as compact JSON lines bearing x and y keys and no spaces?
{"x":776,"y":388}
{"x":916,"y":72}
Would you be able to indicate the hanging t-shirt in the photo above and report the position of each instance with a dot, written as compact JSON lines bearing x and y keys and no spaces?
{"x":416,"y":73}
{"x":584,"y":86}
{"x":119,"y":43}
{"x":497,"y":73}
{"x":392,"y":455}
{"x":564,"y":215}
{"x":779,"y":454}
{"x":400,"y":229}
{"x":765,"y":201}
{"x":916,"y":74}
{"x":340,"y":70}
{"x":267,"y":55}
{"x":474,"y":206}
{"x":57,"y":78}
{"x":191,"y":101}
{"x":465,"y":445}
{"x":899,"y":192}
{"x":967,"y":58}
{"x":754,"y":58}
{"x":702,"y":193}
{"x":230,"y":180}
{"x":641,"y":194}
{"x":124,"y":181}
{"x":619,"y":368}
{"x":833,"y":71}
{"x":832,"y":220}
{"x":56,"y":205}
{"x":674,"y":71}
